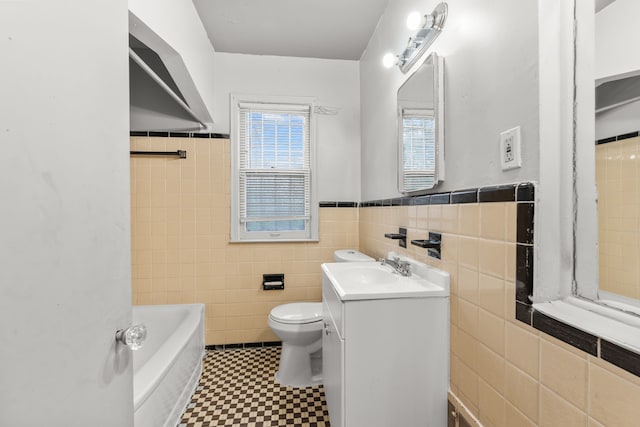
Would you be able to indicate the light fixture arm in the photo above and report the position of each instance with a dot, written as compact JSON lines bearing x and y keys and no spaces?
{"x":429,"y":20}
{"x":432,"y":25}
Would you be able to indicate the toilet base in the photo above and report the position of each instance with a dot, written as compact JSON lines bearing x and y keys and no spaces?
{"x":298,"y":368}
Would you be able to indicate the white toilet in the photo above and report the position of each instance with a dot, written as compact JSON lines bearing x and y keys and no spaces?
{"x":350,"y":255}
{"x":299,"y":326}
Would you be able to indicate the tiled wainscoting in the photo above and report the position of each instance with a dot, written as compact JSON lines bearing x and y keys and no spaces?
{"x":505,"y":372}
{"x":617,"y":168}
{"x":180,"y":242}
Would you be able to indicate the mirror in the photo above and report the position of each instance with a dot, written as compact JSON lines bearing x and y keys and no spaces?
{"x":420,"y":106}
{"x":617,"y":121}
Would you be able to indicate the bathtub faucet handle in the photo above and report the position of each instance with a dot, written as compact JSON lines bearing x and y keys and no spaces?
{"x":133,"y":337}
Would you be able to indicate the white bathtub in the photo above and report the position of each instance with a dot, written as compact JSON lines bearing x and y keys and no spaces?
{"x":167,"y":368}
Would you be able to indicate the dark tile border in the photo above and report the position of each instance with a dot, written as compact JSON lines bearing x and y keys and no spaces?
{"x":525,"y":213}
{"x":242,"y":345}
{"x":606,"y":140}
{"x":440,"y":199}
{"x":381,"y":203}
{"x":560,"y":330}
{"x":346,"y":204}
{"x":524,"y":312}
{"x":252,"y":345}
{"x":526,"y":192}
{"x":200,"y":135}
{"x":179,"y":134}
{"x":338,"y":204}
{"x":501,"y":193}
{"x":621,"y":357}
{"x":420,"y":200}
{"x":464,"y":196}
{"x":232,"y":346}
{"x":524,"y":273}
{"x":159,"y":134}
{"x":618,"y":138}
{"x":627,"y":136}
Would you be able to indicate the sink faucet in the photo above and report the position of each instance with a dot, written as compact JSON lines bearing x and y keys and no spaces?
{"x":401,"y":267}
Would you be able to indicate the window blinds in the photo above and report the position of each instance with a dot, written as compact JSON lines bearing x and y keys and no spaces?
{"x":418,"y":140}
{"x":274,"y":169}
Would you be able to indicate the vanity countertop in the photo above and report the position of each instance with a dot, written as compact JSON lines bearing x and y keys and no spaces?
{"x":372,"y":280}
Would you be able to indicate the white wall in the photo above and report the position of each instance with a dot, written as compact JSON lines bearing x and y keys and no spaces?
{"x":618,"y":121}
{"x":616,"y":39}
{"x":151,"y":108}
{"x":334,"y":83}
{"x":65,"y":268}
{"x":490,"y":55}
{"x":616,"y":54}
{"x":177,"y":23}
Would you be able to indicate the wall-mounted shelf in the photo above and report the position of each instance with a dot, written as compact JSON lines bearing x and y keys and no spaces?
{"x":433,"y":245}
{"x":401,"y":236}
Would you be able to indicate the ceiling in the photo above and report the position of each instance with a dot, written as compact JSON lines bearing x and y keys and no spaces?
{"x":330,"y":29}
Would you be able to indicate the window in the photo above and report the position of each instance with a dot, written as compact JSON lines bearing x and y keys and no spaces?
{"x":273,"y":197}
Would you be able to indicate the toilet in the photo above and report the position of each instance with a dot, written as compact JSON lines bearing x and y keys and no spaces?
{"x":299,"y":326}
{"x":350,"y":255}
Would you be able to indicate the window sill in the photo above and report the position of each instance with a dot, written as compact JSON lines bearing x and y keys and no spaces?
{"x":603,"y":332}
{"x":612,"y":325}
{"x":275,"y":241}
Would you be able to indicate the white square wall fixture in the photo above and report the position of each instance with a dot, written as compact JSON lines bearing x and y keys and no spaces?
{"x":510,"y":149}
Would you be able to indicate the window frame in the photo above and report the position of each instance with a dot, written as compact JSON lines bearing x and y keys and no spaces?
{"x":566,"y":214}
{"x":238,"y":235}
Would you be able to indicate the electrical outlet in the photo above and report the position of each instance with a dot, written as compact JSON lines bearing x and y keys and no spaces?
{"x":510,"y":149}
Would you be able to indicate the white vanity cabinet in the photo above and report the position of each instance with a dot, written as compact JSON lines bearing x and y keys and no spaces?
{"x":333,"y":367}
{"x":385,"y":360}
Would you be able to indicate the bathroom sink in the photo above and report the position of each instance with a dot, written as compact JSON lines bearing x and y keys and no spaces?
{"x":372,"y":280}
{"x":368,"y":275}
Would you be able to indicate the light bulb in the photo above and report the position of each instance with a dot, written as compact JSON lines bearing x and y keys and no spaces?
{"x":414,"y":20}
{"x":388,"y":60}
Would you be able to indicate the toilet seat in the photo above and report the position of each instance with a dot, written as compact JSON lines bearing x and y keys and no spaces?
{"x":297,"y":313}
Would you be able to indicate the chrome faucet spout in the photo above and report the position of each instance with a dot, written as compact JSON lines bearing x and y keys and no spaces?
{"x":401,"y":267}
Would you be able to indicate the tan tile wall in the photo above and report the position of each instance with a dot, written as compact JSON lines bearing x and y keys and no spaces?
{"x":505,"y":372}
{"x":181,"y":251}
{"x":617,"y":179}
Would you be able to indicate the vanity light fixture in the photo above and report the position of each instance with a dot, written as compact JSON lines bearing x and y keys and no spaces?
{"x":428,"y":29}
{"x":389,"y":60}
{"x":415,"y":20}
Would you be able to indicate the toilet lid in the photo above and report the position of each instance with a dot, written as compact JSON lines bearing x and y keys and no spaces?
{"x":298,"y":312}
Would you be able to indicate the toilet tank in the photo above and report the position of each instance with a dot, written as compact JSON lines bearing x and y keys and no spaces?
{"x":350,"y":255}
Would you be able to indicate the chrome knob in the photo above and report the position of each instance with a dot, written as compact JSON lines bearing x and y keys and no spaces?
{"x":133,"y":337}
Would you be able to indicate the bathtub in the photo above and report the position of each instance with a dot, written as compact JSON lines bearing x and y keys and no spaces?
{"x":167,"y":368}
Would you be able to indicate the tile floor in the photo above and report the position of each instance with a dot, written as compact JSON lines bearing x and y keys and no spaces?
{"x":237,"y":388}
